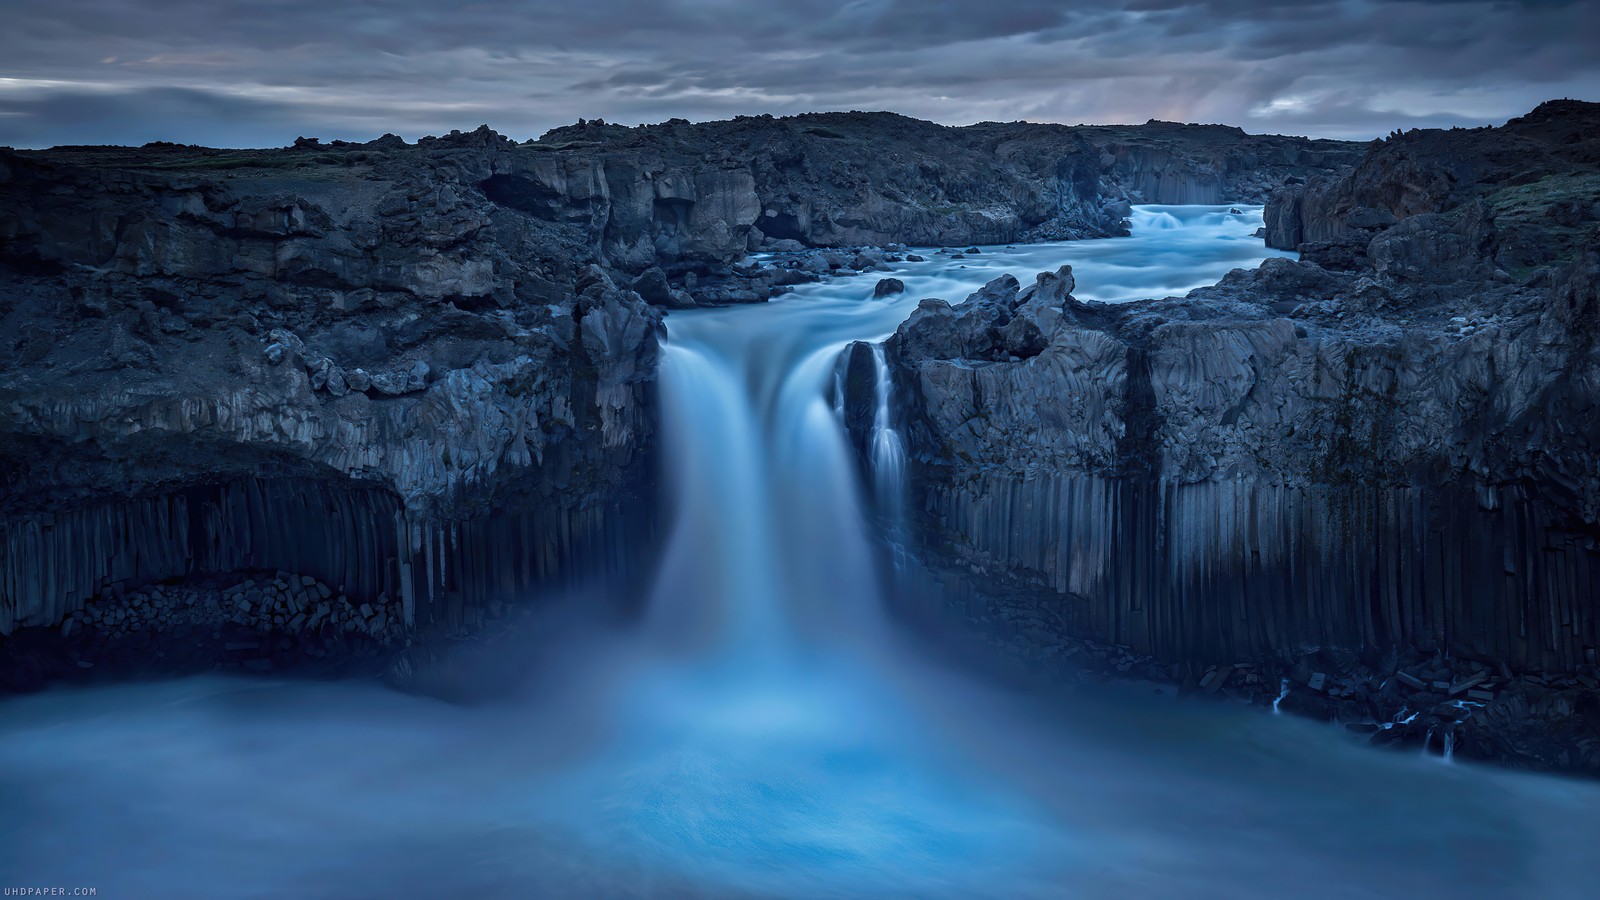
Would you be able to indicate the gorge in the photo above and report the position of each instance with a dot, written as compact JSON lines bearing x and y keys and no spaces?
{"x":709,"y":553}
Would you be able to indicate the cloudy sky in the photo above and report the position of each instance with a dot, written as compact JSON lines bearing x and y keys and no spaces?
{"x":231,"y":73}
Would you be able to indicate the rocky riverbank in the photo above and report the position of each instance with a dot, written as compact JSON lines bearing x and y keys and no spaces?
{"x":1379,"y":460}
{"x":1400,"y":699}
{"x":269,"y":622}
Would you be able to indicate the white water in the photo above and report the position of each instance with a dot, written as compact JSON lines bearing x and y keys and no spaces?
{"x":765,"y":732}
{"x":888,"y":451}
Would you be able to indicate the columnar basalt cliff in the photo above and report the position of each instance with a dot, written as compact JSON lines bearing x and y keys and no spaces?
{"x":354,"y":367}
{"x":420,"y":377}
{"x":1384,"y":455}
{"x":318,"y":289}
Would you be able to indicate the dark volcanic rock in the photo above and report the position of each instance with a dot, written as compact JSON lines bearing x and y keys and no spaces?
{"x":1535,"y":178}
{"x":1167,"y":162}
{"x":1396,"y":451}
{"x":835,"y":179}
{"x":843,"y":179}
{"x":212,"y":353}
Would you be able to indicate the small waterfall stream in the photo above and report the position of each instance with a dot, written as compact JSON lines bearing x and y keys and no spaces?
{"x":888,"y":453}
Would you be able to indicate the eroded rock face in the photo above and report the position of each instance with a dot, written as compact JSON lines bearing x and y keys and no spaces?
{"x":1165,"y":162}
{"x":370,"y":322}
{"x":1160,"y":456}
{"x":1398,"y":453}
{"x":845,"y":179}
{"x":698,"y":193}
{"x":1535,"y":177}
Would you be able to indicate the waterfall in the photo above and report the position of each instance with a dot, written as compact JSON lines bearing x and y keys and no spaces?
{"x":888,"y":457}
{"x":1283,"y":691}
{"x":769,"y":548}
{"x":1400,"y":718}
{"x":715,"y":584}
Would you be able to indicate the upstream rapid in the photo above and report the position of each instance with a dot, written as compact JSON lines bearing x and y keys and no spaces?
{"x":766,"y":730}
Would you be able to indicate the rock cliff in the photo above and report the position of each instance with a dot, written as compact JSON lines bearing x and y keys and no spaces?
{"x":837,"y":179}
{"x":1165,"y":162}
{"x":1535,"y":177}
{"x":1390,"y":447}
{"x":349,"y":365}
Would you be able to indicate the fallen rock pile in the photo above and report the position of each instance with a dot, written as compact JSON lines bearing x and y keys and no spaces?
{"x":266,"y":622}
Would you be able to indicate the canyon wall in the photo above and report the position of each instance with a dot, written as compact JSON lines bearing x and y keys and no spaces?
{"x":1366,"y":452}
{"x":831,"y":179}
{"x":363,"y":370}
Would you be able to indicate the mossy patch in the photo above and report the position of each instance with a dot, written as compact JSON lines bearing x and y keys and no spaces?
{"x":1536,"y":199}
{"x":1552,"y":220}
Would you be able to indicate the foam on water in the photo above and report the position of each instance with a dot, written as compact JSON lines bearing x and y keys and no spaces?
{"x":765,"y":731}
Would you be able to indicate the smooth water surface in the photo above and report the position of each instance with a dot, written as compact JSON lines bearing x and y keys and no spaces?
{"x":765,"y":731}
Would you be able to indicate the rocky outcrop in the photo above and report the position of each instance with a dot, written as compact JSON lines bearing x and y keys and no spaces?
{"x":354,"y":365}
{"x":1535,"y":177}
{"x":1167,"y":162}
{"x":840,"y":179}
{"x":700,"y":193}
{"x":1391,"y":453}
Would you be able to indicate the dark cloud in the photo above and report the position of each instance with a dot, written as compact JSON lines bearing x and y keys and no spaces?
{"x":126,"y":71}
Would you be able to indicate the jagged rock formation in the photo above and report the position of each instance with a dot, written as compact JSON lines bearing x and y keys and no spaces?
{"x":1389,"y":447}
{"x":1165,"y":162}
{"x":362,"y":370}
{"x":840,"y":179}
{"x":1535,"y":177}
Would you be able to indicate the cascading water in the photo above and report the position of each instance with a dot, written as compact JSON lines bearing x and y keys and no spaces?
{"x":766,"y":732}
{"x":888,"y":459}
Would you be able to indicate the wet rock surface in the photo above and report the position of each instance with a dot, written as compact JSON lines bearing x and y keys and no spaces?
{"x":1388,"y":447}
{"x":1403,"y":701}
